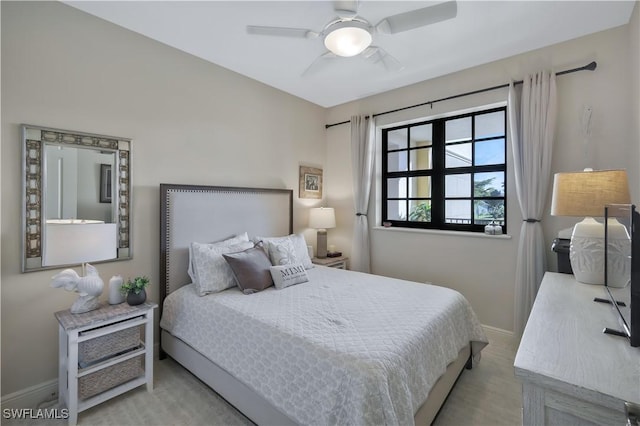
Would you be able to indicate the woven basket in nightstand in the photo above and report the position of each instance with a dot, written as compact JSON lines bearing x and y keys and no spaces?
{"x":110,"y":377}
{"x":94,"y":350}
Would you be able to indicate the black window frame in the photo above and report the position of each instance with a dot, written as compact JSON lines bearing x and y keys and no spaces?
{"x":438,"y":173}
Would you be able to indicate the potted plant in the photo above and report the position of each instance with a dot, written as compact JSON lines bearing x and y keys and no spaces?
{"x":134,"y":290}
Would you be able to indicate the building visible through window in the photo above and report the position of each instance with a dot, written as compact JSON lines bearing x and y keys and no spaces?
{"x":447,"y":173}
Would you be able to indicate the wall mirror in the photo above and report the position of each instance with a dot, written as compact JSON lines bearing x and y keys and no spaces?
{"x":76,"y":198}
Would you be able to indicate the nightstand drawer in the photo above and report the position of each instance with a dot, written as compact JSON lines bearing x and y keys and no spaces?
{"x":102,"y":347}
{"x":110,"y":377}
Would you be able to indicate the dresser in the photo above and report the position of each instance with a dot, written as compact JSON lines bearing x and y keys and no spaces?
{"x":571,"y":372}
{"x":103,"y":353}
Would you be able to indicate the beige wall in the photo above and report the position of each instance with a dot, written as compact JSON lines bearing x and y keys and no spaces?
{"x":483,"y":269}
{"x":191,"y":122}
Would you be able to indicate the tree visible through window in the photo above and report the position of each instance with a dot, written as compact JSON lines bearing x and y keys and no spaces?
{"x":446,"y":173}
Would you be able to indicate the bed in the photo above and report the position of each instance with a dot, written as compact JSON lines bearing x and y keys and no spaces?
{"x":342,"y":348}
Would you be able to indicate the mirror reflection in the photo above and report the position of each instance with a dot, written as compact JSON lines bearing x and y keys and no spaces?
{"x":78,"y":184}
{"x":77,"y":198}
{"x":79,"y":207}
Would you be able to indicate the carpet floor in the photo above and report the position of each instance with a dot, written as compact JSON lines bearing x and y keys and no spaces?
{"x":489,"y":394}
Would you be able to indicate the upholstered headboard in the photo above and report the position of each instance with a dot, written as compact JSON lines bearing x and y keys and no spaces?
{"x":204,"y":214}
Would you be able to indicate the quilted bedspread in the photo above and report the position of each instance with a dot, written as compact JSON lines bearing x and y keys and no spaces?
{"x":343,"y":348}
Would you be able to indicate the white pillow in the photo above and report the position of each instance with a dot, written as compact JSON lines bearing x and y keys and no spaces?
{"x":288,"y":275}
{"x":240,"y":238}
{"x":212,"y":273}
{"x":288,"y":250}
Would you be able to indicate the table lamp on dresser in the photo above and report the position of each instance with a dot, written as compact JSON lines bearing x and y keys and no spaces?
{"x":585,"y":194}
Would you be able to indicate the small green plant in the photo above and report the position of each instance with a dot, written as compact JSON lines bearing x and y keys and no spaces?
{"x":135,"y":285}
{"x":420,"y":213}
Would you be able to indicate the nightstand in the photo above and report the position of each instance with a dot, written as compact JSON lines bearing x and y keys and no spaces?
{"x":332,"y":262}
{"x":102,"y":354}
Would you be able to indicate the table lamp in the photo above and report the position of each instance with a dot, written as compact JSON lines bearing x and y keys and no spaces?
{"x":77,"y":243}
{"x":69,"y":242}
{"x":586,"y":194}
{"x":322,"y":218}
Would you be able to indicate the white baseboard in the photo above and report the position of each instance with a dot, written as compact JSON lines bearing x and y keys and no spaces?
{"x":32,"y":396}
{"x":498,"y":330}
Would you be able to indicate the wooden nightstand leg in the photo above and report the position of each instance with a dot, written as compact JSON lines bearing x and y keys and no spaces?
{"x":148,"y":341}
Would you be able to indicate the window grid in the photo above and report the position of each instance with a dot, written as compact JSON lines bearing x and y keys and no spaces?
{"x":438,"y":172}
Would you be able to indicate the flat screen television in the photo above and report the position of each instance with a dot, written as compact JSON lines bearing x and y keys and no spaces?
{"x":622,"y":268}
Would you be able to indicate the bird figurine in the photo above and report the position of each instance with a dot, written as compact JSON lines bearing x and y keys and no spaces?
{"x":88,"y":287}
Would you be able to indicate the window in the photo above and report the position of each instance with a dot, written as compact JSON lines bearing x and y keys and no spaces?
{"x":448,"y":173}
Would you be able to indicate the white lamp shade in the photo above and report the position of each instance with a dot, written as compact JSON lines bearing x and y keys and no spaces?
{"x":75,"y":243}
{"x":322,"y":218}
{"x":348,"y":38}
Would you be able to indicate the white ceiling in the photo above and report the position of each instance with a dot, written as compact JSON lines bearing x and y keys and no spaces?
{"x":483,"y":31}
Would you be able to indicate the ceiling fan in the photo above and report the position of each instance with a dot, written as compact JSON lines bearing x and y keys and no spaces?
{"x":350,"y":35}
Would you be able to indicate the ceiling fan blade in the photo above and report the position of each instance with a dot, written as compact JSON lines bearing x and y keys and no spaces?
{"x":378,"y":55}
{"x":318,"y":63}
{"x":346,"y":8}
{"x":281,"y":31}
{"x":418,"y":18}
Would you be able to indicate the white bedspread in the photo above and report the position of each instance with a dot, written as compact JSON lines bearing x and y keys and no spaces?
{"x":344,"y":348}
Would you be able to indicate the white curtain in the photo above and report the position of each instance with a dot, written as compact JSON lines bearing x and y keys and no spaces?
{"x":362,"y":156}
{"x":532,"y":120}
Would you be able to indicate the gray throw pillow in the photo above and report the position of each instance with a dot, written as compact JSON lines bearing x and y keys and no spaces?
{"x":251,"y":269}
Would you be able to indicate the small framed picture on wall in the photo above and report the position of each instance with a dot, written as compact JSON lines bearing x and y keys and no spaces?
{"x":310,"y":182}
{"x":105,"y":183}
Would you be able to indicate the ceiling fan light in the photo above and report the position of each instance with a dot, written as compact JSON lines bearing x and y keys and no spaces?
{"x":348,"y":39}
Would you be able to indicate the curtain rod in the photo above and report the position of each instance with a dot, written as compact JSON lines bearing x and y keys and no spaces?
{"x":589,"y":67}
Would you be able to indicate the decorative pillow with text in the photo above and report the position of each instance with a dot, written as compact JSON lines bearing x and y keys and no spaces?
{"x":288,"y":275}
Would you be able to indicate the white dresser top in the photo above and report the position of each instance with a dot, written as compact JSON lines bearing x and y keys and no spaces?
{"x":563,"y":343}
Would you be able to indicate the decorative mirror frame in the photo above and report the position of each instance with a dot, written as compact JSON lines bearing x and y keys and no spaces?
{"x":33,"y":217}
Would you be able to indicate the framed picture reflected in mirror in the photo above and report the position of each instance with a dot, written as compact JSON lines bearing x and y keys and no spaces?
{"x":105,"y":183}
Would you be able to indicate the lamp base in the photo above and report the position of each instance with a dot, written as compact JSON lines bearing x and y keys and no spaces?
{"x":586,"y":251}
{"x":322,"y":244}
{"x":618,"y":254}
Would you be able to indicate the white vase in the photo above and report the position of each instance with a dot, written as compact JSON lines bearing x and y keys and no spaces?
{"x":493,"y":229}
{"x":115,"y":297}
